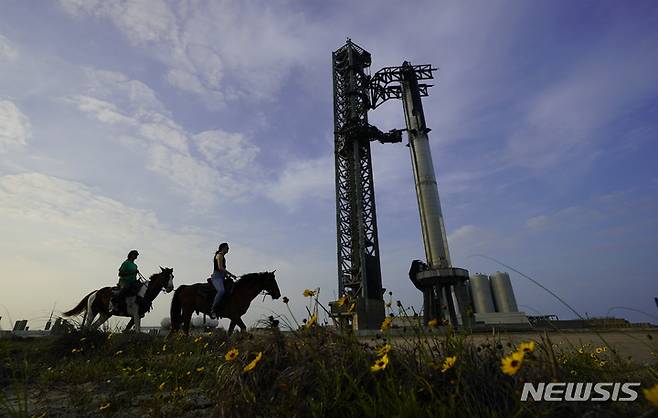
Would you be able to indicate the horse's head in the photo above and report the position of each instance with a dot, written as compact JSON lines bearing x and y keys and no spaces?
{"x":270,"y":285}
{"x":166,"y":277}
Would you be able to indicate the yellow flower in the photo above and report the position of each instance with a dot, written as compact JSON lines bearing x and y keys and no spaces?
{"x":104,"y":406}
{"x":164,"y":348}
{"x":383,"y":350}
{"x":341,"y":301}
{"x":380,"y":364}
{"x":652,"y":395}
{"x":512,"y":363}
{"x":200,"y":369}
{"x":352,"y":307}
{"x":231,"y":355}
{"x":311,"y":321}
{"x":580,"y":350}
{"x":448,"y":363}
{"x":253,"y":363}
{"x":197,"y":340}
{"x":386,"y":324}
{"x":432,"y":323}
{"x":162,"y":386}
{"x":309,"y":293}
{"x":526,"y":348}
{"x":599,"y":350}
{"x":602,"y":363}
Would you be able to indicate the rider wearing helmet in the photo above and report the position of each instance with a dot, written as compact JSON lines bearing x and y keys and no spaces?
{"x":218,"y":275}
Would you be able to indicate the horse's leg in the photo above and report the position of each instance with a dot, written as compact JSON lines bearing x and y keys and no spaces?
{"x":187,"y":317}
{"x":231,"y":327}
{"x":134,"y":311}
{"x":129,"y":325}
{"x":100,"y":321}
{"x":138,"y":322}
{"x":241,"y":324}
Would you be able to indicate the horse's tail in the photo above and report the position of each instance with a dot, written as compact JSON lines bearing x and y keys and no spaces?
{"x":176,"y":309}
{"x":80,"y":307}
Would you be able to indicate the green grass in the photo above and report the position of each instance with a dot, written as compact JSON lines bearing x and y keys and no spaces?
{"x":311,"y":372}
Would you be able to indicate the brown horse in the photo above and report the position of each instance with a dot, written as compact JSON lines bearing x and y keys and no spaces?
{"x":98,"y":302}
{"x":199,"y":297}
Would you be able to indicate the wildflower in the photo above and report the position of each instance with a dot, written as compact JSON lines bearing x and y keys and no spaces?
{"x":432,"y":323}
{"x":580,"y":350}
{"x":341,"y":301}
{"x":512,"y":363}
{"x":76,"y":350}
{"x":205,"y":345}
{"x":312,"y":320}
{"x":200,"y":369}
{"x":386,"y":324}
{"x":448,"y":363}
{"x":162,"y":386}
{"x":164,"y":348}
{"x":652,"y":395}
{"x":526,"y":348}
{"x":118,"y":353}
{"x":104,"y":406}
{"x":352,"y":307}
{"x":231,"y":355}
{"x":602,"y":363}
{"x":599,"y":350}
{"x":254,"y":362}
{"x":309,"y":293}
{"x":573,"y":372}
{"x":593,"y":355}
{"x":383,"y":350}
{"x":380,"y":364}
{"x":196,"y":340}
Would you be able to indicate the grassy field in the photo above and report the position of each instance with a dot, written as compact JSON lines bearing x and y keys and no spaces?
{"x":313,"y":372}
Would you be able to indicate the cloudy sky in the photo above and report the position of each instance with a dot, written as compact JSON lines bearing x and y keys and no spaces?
{"x":171,"y":126}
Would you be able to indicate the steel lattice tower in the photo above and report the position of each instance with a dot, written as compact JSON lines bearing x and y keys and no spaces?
{"x":359,"y":271}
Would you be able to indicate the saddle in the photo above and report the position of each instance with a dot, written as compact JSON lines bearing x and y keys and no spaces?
{"x":207,"y":291}
{"x":119,"y":305}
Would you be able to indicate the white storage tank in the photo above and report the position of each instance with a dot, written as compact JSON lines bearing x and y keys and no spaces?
{"x":481,"y":293}
{"x":501,"y":285}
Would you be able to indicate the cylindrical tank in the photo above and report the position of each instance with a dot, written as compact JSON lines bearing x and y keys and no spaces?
{"x":501,"y":285}
{"x":481,"y":294}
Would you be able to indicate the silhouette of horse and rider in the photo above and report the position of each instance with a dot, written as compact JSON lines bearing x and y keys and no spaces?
{"x":221,"y":296}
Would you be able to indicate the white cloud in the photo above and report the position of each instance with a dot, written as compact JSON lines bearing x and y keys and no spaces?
{"x":102,"y":110}
{"x":537,"y":222}
{"x":203,"y":43}
{"x":226,"y":151}
{"x":8,"y":52}
{"x":567,"y":119}
{"x":303,"y":180}
{"x":15,"y":128}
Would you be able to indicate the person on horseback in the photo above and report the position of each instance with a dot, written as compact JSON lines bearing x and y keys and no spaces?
{"x":218,"y":275}
{"x":128,"y":284}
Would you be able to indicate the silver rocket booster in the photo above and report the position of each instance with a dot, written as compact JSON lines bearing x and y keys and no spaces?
{"x":429,"y":205}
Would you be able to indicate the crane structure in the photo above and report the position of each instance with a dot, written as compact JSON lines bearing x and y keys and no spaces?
{"x":359,"y":272}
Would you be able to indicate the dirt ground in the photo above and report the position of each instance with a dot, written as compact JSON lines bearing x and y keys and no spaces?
{"x":640,"y":344}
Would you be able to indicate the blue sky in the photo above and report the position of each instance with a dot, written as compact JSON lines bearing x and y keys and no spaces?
{"x":173,"y":126}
